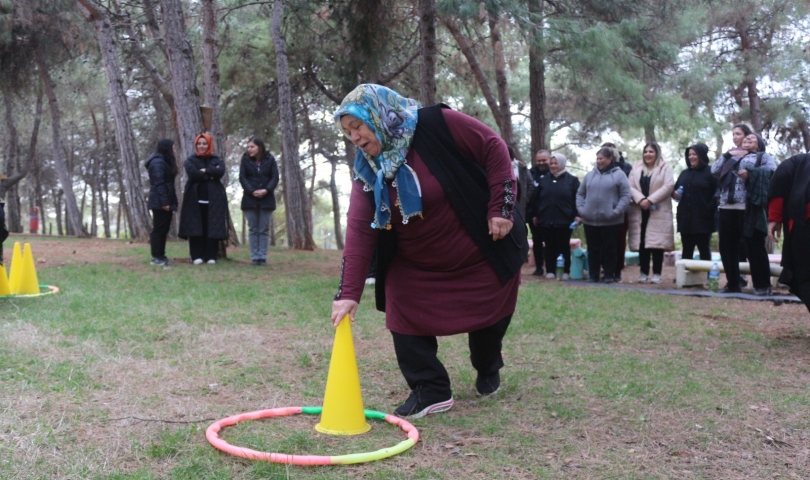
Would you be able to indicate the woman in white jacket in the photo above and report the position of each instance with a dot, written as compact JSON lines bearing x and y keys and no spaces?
{"x":651,"y":227}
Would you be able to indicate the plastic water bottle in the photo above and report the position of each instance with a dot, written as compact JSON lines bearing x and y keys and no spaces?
{"x":560,"y":266}
{"x":574,"y":225}
{"x":714,"y":278}
{"x":680,"y":193}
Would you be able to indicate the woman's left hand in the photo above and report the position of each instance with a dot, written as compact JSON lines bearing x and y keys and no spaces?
{"x":260,"y":193}
{"x":644,"y":204}
{"x":499,"y":227}
{"x":743,"y":174}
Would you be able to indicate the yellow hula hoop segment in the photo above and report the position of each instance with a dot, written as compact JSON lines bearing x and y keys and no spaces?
{"x":50,"y":290}
{"x":212,"y":435}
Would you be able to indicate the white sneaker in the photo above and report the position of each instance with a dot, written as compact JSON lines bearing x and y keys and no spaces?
{"x":643,"y":279}
{"x":566,"y":276}
{"x":550,"y":276}
{"x":197,"y":261}
{"x":371,"y":281}
{"x":212,"y":262}
{"x":656,"y":279}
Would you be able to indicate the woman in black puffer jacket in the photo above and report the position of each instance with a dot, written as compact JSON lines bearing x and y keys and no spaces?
{"x":204,"y":217}
{"x":162,"y":168}
{"x":695,"y":191}
{"x":258,"y":175}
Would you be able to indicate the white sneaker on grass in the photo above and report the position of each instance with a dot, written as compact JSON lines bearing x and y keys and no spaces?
{"x":197,"y":261}
{"x":643,"y":279}
{"x":656,"y":279}
{"x":211,"y":262}
{"x":550,"y":276}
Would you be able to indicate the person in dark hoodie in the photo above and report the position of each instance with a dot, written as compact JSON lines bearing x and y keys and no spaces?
{"x":789,"y":204}
{"x":258,"y":174}
{"x":743,"y":189}
{"x":603,"y":198}
{"x":162,"y":168}
{"x":204,"y":216}
{"x":695,"y":190}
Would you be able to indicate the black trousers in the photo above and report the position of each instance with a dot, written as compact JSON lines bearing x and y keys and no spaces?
{"x":645,"y":253}
{"x":799,"y":258}
{"x":621,"y":246}
{"x":731,"y":231}
{"x":602,"y":249}
{"x":161,"y":222}
{"x":202,"y":246}
{"x":703,"y":242}
{"x":537,"y":245}
{"x":558,"y":242}
{"x":419,"y":364}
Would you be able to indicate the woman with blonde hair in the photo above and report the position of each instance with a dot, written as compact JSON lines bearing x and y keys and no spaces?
{"x":650,"y":218}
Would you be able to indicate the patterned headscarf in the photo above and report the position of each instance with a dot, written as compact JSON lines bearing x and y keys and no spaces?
{"x":392,"y":118}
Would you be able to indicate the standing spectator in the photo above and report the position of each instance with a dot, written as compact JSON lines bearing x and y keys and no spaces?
{"x":697,"y":205}
{"x":162,"y":168}
{"x":204,"y":216}
{"x":602,"y":200}
{"x":650,"y":217}
{"x":553,"y":208}
{"x":743,"y":188}
{"x":789,"y":204}
{"x":525,"y":183}
{"x":258,"y":174}
{"x":621,"y":245}
{"x":738,"y":134}
{"x":538,"y":171}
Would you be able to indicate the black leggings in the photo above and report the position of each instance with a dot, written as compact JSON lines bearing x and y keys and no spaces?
{"x":731,"y":231}
{"x":703,"y":242}
{"x":602,"y":249}
{"x":419,"y":364}
{"x":558,"y":242}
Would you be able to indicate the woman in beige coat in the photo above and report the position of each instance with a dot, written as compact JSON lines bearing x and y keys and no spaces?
{"x":650,"y":218}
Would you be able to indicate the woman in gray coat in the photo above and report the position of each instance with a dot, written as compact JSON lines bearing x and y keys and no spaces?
{"x":602,"y":200}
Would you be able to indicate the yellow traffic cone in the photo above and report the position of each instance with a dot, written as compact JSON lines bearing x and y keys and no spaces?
{"x":343,"y":403}
{"x":15,"y":274}
{"x":28,"y":279}
{"x":5,"y":290}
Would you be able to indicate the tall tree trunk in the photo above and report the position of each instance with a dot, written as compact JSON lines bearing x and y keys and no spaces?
{"x":74,"y":218}
{"x":335,"y":203}
{"x":749,"y":78}
{"x":427,"y":51}
{"x":538,"y":124}
{"x":8,"y":189}
{"x":184,"y":75}
{"x":297,"y":208}
{"x":504,"y":104}
{"x":133,"y":188}
{"x":804,"y":126}
{"x":57,"y":203}
{"x":104,"y":202}
{"x":649,"y":133}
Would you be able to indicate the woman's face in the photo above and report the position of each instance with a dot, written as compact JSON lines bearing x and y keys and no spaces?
{"x":252,"y":149}
{"x":553,"y":166}
{"x":602,"y":161}
{"x":201,"y":146}
{"x":694,"y":160}
{"x":360,"y":135}
{"x":737,"y":136}
{"x":649,"y":155}
{"x":750,"y":143}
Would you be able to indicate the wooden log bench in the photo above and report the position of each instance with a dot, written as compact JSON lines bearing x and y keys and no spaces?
{"x":689,"y":273}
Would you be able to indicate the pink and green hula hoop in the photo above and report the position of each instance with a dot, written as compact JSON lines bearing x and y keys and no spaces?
{"x":48,"y":290}
{"x":212,"y":434}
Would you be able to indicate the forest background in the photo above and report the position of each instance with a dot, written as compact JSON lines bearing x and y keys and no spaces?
{"x":89,"y":86}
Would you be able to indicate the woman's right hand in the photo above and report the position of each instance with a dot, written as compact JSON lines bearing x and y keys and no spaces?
{"x":774,"y":231}
{"x":341,"y":308}
{"x":675,"y":195}
{"x":644,"y":204}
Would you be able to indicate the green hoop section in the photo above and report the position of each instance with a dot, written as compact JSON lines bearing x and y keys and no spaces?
{"x":212,"y":435}
{"x":49,"y":290}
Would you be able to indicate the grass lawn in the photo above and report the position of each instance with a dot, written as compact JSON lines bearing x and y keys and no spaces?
{"x":118,"y":376}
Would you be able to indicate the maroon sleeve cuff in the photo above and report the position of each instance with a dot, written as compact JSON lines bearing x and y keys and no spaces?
{"x":775,"y":209}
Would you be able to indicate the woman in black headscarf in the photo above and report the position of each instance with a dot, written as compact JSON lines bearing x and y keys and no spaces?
{"x":695,"y":191}
{"x":789,"y":203}
{"x":162,"y":201}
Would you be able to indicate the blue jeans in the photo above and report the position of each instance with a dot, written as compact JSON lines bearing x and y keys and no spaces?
{"x":258,"y":232}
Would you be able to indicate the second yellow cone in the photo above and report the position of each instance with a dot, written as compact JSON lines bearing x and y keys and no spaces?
{"x":15,"y":273}
{"x":29,"y":285}
{"x":343,"y":402}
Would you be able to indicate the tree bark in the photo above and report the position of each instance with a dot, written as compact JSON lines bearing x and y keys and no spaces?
{"x":749,"y":79}
{"x":184,"y":76}
{"x":504,"y":104}
{"x":8,"y":188}
{"x":804,"y":126}
{"x":333,"y":160}
{"x":427,"y":47}
{"x":133,"y":187}
{"x":538,"y":124}
{"x":297,"y":209}
{"x":74,"y":217}
{"x":57,"y":203}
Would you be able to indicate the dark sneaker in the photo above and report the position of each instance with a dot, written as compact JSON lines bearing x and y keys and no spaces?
{"x":538,"y":273}
{"x":728,"y":289}
{"x":262,"y":262}
{"x":762,"y":292}
{"x":159,"y":261}
{"x":423,"y":402}
{"x":488,"y":384}
{"x":254,"y":262}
